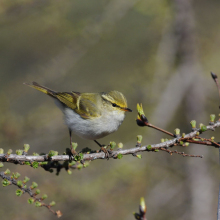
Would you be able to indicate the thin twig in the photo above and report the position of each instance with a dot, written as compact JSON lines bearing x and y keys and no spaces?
{"x":180,"y":153}
{"x":30,"y":192}
{"x":159,"y":129}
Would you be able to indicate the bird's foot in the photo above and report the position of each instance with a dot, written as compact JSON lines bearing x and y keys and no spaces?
{"x":103,"y":149}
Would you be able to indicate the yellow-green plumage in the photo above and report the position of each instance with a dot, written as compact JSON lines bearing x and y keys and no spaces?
{"x":89,"y":115}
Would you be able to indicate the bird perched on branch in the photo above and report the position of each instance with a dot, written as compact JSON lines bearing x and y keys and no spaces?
{"x":89,"y":115}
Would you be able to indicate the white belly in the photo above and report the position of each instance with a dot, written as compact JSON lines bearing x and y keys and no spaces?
{"x":93,"y":128}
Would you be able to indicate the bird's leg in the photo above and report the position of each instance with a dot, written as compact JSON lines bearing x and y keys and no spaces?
{"x":71,"y":151}
{"x":103,"y":149}
{"x":70,"y":133}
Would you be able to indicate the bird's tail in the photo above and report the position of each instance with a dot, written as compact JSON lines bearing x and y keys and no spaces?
{"x":42,"y":89}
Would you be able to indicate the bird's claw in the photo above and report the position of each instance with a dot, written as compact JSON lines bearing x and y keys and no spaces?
{"x":103,"y":149}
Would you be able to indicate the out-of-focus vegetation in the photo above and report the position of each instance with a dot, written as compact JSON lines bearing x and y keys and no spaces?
{"x":138,"y":48}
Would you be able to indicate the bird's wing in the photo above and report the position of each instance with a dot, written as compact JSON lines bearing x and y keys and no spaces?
{"x":69,"y":99}
{"x":86,"y":106}
{"x":81,"y":104}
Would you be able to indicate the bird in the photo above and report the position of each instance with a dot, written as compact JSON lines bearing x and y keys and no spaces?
{"x":89,"y":115}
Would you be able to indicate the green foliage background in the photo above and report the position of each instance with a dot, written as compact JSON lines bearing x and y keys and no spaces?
{"x":93,"y":46}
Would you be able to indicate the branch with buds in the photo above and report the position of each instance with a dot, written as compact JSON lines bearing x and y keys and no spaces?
{"x":22,"y":188}
{"x":50,"y":160}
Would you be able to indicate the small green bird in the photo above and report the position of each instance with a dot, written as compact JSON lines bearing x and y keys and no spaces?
{"x":89,"y":115}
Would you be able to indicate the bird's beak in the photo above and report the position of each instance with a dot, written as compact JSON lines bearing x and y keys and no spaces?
{"x":127,"y":109}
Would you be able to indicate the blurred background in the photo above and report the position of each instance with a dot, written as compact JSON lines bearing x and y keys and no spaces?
{"x":156,"y":52}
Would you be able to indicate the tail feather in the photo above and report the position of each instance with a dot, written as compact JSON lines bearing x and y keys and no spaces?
{"x":42,"y":88}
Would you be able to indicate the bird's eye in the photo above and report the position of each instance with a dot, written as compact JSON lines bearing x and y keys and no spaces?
{"x":114,"y":105}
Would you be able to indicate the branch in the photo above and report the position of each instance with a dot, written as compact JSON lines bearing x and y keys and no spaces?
{"x":24,"y":189}
{"x":190,"y":137}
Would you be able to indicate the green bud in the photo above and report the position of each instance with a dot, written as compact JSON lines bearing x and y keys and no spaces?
{"x":15,"y":175}
{"x":212,"y":118}
{"x":44,"y":197}
{"x":183,"y":135}
{"x":200,"y":125}
{"x":112,"y":145}
{"x":19,"y":192}
{"x":197,"y":133}
{"x":38,"y":204}
{"x":35,"y":164}
{"x":74,"y":145}
{"x":142,"y":205}
{"x":72,"y":163}
{"x":1,"y":151}
{"x":193,"y":123}
{"x":34,"y":185}
{"x":177,"y":131}
{"x":69,"y":171}
{"x":35,"y":154}
{"x":79,"y":157}
{"x":149,"y":147}
{"x":140,"y":109}
{"x":212,"y":138}
{"x":37,"y":191}
{"x":120,"y":145}
{"x":156,"y":150}
{"x":7,"y":172}
{"x":5,"y":182}
{"x":19,"y":152}
{"x":162,"y":140}
{"x":119,"y":156}
{"x":51,"y":153}
{"x":19,"y":183}
{"x":1,"y":165}
{"x":9,"y":151}
{"x":27,"y":163}
{"x":52,"y":203}
{"x":31,"y":201}
{"x":80,"y":166}
{"x":43,"y":163}
{"x":26,"y":147}
{"x":203,"y":128}
{"x":139,"y":156}
{"x":181,"y":143}
{"x":86,"y":164}
{"x":139,"y":139}
{"x":186,"y":144}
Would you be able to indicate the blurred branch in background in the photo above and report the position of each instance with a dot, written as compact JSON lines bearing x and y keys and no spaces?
{"x":179,"y":48}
